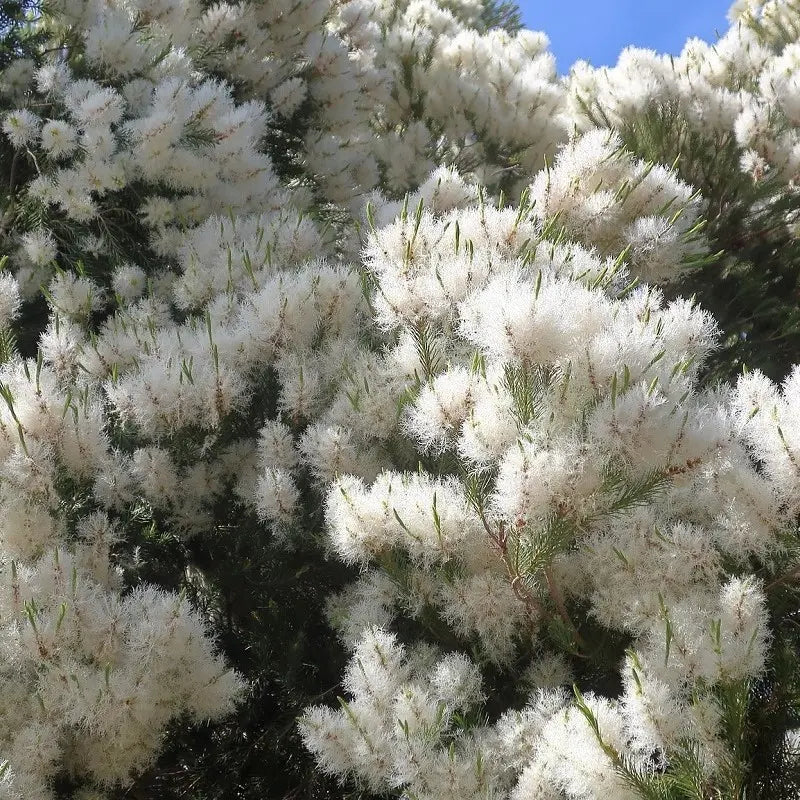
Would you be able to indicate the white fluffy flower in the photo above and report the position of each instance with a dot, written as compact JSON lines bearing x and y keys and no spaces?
{"x":59,"y":139}
{"x":21,"y":127}
{"x":39,"y":247}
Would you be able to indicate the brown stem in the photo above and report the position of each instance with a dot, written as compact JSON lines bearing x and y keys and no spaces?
{"x":532,"y":605}
{"x":12,"y":178}
{"x":561,"y":606}
{"x":785,"y":578}
{"x":500,"y":540}
{"x":8,"y":210}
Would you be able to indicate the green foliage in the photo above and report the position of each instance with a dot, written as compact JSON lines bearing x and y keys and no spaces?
{"x":526,"y":386}
{"x":501,"y":14}
{"x":268,"y":614}
{"x":753,"y":291}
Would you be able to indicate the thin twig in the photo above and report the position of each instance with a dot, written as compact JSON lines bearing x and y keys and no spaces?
{"x":558,"y":599}
{"x":785,"y":578}
{"x":500,"y":540}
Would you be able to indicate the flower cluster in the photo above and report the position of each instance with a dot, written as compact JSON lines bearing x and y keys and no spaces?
{"x":91,"y":675}
{"x":370,"y":282}
{"x":606,"y":199}
{"x":569,"y":459}
{"x":742,"y":87}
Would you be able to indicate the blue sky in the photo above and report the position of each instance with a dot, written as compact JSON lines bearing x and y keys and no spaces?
{"x":598,"y":29}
